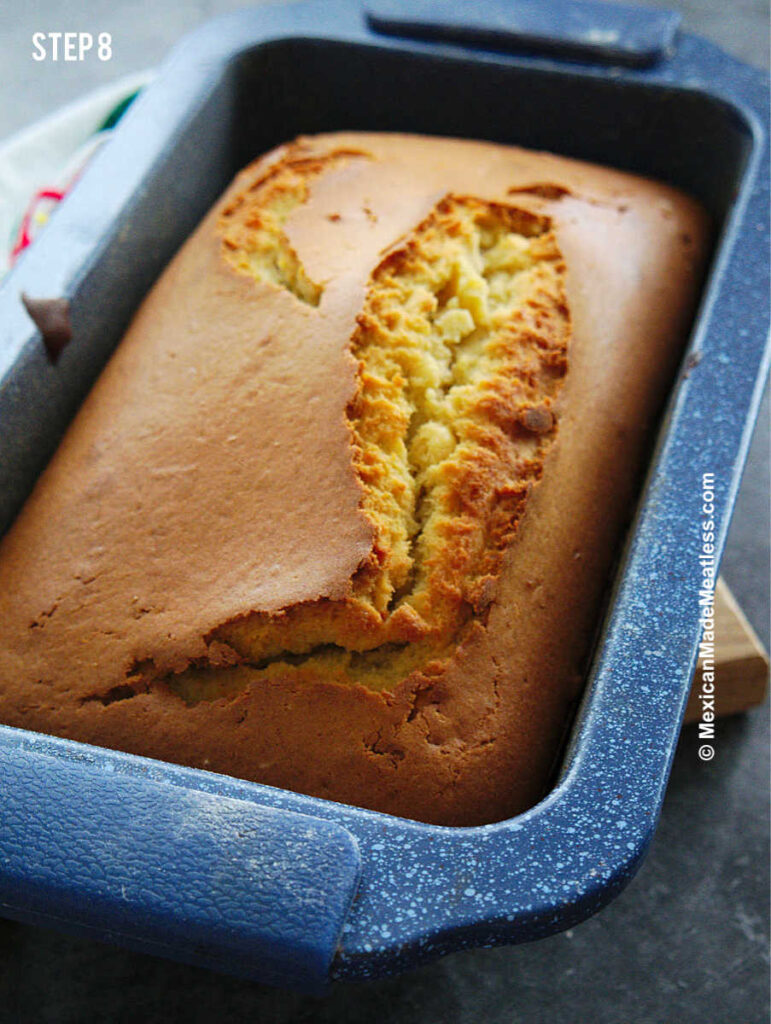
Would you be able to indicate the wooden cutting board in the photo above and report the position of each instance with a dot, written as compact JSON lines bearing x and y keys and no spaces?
{"x":741,"y":664}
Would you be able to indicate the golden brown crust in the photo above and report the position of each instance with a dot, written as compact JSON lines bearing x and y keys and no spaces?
{"x":165,"y":512}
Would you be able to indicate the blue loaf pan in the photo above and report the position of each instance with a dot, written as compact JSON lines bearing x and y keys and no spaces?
{"x":297,"y":891}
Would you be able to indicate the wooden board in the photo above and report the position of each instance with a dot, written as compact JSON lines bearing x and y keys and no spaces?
{"x":741,"y":664}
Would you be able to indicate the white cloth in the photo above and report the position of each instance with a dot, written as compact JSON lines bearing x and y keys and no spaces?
{"x":50,"y":152}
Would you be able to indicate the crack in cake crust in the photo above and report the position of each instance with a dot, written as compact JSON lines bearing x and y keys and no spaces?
{"x":461,"y":349}
{"x":252,"y":225}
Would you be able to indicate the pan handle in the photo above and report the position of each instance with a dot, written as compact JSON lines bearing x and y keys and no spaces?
{"x":117,"y":855}
{"x":587,"y":30}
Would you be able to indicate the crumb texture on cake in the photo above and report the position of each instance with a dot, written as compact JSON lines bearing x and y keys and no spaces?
{"x":461,"y":350}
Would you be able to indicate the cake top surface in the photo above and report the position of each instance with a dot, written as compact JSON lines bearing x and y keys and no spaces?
{"x":210,"y":474}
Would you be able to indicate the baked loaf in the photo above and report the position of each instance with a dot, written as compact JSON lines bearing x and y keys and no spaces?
{"x":339,"y":514}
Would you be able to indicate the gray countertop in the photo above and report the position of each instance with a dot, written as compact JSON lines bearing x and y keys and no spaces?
{"x":687,"y":941}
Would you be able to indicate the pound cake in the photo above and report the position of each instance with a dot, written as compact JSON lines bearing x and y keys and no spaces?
{"x":340,"y":512}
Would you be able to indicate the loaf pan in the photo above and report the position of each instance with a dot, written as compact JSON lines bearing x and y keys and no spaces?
{"x":297,"y":891}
